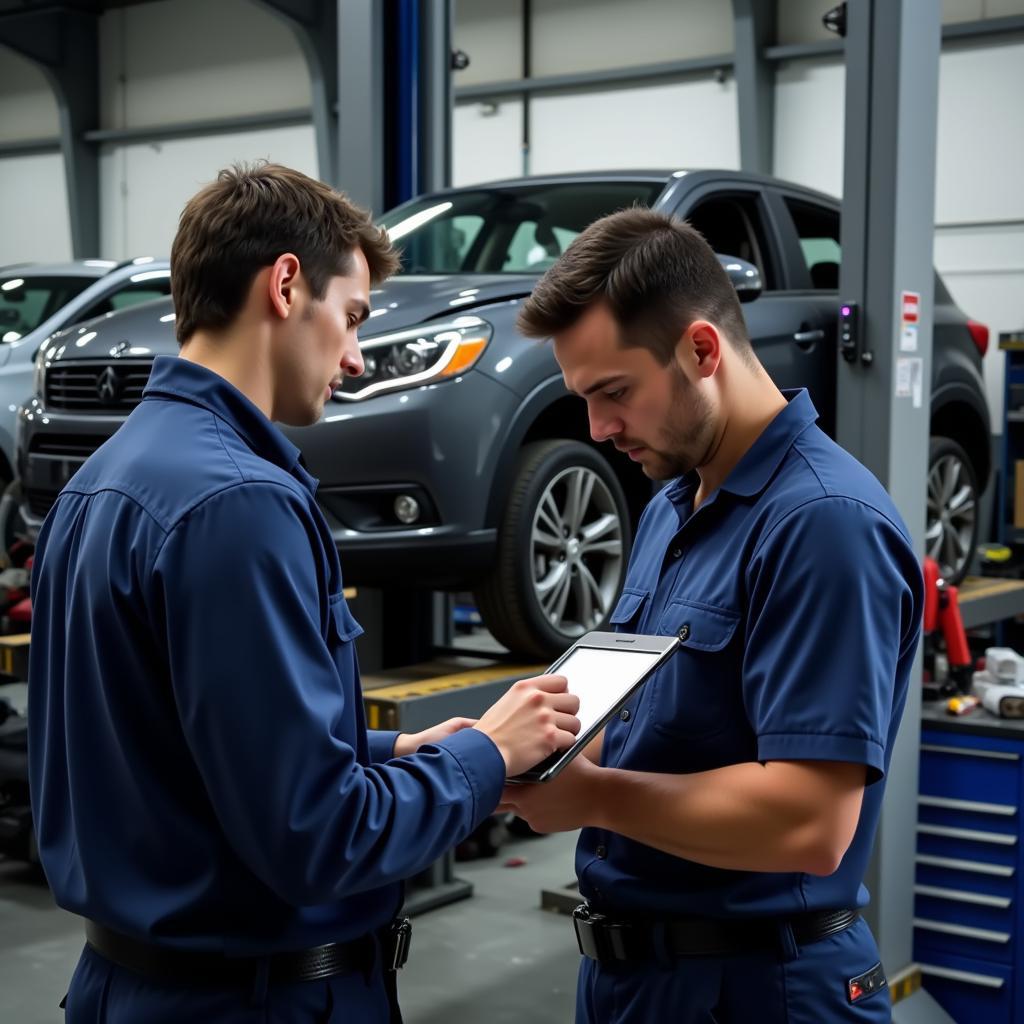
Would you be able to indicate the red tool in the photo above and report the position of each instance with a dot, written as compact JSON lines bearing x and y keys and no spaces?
{"x":942,"y":612}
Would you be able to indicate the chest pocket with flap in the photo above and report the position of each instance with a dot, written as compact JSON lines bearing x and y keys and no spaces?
{"x":697,"y":692}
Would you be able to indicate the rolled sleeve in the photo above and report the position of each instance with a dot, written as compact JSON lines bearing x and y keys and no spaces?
{"x":831,"y":617}
{"x":382,"y":744}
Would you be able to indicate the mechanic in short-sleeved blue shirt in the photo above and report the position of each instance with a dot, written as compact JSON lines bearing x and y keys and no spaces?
{"x":730,"y":814}
{"x":204,"y":789}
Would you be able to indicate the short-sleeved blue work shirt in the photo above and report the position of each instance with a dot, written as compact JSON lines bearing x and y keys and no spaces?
{"x":797,"y":596}
{"x":200,"y":769}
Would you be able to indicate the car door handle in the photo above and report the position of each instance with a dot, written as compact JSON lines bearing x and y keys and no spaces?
{"x":805,"y":339}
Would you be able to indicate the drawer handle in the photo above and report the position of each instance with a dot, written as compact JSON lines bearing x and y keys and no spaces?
{"x":963,"y":896}
{"x":969,"y":977}
{"x":992,"y":755}
{"x":968,"y":833}
{"x":1007,"y":810}
{"x":954,"y":864}
{"x":983,"y":934}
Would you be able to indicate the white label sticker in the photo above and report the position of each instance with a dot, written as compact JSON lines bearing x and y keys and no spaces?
{"x":910,"y":379}
{"x":908,"y":338}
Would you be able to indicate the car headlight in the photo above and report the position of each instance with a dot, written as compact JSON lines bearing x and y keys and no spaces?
{"x":416,"y":356}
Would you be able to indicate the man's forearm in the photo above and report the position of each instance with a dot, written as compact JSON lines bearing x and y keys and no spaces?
{"x":781,"y":816}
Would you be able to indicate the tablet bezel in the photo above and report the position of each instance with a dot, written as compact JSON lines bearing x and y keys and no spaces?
{"x":638,"y":642}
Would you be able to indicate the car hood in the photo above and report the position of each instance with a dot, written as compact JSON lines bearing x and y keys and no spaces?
{"x":148,"y":329}
{"x":408,"y":300}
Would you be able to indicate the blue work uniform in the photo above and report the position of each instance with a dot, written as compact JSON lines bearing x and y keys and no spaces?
{"x":797,"y":597}
{"x":202,"y":777}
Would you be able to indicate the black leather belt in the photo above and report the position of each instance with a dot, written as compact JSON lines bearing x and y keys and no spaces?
{"x":605,"y":938}
{"x":180,"y":967}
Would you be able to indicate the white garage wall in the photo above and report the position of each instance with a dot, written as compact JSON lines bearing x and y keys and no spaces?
{"x":491,"y":33}
{"x":187,"y":60}
{"x":28,"y":108}
{"x":809,"y":119}
{"x":143,"y":187}
{"x":692,"y":123}
{"x":34,"y":209}
{"x":487,"y":141}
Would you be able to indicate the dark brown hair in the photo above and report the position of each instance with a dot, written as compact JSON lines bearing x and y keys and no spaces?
{"x":657,"y":275}
{"x":243,"y":221}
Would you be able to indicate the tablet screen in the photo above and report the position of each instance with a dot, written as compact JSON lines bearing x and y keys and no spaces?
{"x":600,"y":677}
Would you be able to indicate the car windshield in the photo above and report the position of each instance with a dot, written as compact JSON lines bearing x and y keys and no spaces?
{"x":26,"y":301}
{"x":519,"y":229}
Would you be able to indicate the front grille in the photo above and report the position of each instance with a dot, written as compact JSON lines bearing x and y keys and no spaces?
{"x":95,"y":387}
{"x":40,"y":503}
{"x":65,"y":446}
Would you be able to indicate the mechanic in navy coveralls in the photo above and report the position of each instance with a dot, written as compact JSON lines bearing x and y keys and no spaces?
{"x":729,"y":813}
{"x":205,"y":791}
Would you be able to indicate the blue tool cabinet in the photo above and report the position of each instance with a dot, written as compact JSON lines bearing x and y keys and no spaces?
{"x":968,"y":897}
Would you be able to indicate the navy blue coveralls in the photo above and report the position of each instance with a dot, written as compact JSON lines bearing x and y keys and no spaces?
{"x":799,"y":598}
{"x":202,"y":777}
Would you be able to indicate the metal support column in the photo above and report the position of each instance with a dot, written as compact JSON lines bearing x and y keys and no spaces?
{"x":434,"y":125}
{"x":754,"y":31}
{"x":64,"y":44}
{"x":315,"y":24}
{"x":892,"y":59}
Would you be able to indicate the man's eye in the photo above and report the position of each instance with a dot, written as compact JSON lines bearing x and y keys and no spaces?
{"x":616,"y":394}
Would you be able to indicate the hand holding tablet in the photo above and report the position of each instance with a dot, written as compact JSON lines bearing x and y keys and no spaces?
{"x":603,"y":670}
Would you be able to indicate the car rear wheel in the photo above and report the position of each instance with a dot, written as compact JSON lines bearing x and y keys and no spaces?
{"x":952,"y":531}
{"x":562,"y":550}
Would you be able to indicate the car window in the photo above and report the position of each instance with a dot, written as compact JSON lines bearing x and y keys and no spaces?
{"x":130,"y":295}
{"x":514,"y":229}
{"x":734,"y":226}
{"x":26,"y":301}
{"x":818,"y":230}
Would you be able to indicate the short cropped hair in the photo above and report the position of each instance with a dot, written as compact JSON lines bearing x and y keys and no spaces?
{"x":656,"y":273}
{"x":244,"y":220}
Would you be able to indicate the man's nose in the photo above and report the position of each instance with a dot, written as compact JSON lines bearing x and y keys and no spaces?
{"x":603,"y":428}
{"x":352,"y":361}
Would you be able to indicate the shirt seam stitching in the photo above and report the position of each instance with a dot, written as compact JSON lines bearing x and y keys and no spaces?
{"x":111,"y":489}
{"x":220,"y":437}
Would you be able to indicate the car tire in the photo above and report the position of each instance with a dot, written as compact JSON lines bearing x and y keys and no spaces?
{"x":952,"y":531}
{"x":547,"y":590}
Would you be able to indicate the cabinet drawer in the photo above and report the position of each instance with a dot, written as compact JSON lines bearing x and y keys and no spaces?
{"x":973,"y":875}
{"x":967,"y":844}
{"x":965,"y":772}
{"x":968,"y":990}
{"x":962,"y":907}
{"x":942,"y":934}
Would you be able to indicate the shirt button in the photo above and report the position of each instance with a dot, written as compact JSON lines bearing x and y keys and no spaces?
{"x":624,"y":714}
{"x":602,"y":852}
{"x":677,"y":552}
{"x":684,"y":632}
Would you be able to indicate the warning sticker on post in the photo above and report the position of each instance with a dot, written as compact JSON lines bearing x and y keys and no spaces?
{"x":910,"y":313}
{"x":910,"y":379}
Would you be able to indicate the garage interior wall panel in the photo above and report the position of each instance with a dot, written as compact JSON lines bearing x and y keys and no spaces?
{"x":487,"y":141}
{"x":190,"y":60}
{"x":595,"y":35}
{"x":979,"y":204}
{"x":144,"y":186}
{"x":28,"y":107}
{"x":34,"y":209}
{"x":490,"y":32}
{"x":691,"y":123}
{"x":809,"y":123}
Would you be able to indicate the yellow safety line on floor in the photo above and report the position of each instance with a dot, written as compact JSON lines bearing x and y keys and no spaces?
{"x":905,"y":983}
{"x":435,"y":684}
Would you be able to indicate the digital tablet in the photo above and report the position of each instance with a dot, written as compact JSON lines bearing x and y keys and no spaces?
{"x":603,"y":670}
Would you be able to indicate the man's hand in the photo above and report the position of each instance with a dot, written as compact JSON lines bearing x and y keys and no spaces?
{"x":410,"y":742}
{"x":569,"y":801}
{"x":533,"y":719}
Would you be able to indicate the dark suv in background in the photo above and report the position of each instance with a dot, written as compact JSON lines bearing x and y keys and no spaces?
{"x":458,"y":460}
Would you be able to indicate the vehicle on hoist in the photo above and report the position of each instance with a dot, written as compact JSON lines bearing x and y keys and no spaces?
{"x":459,"y":461}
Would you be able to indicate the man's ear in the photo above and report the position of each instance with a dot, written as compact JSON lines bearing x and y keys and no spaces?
{"x":701,"y":348}
{"x":281,"y":282}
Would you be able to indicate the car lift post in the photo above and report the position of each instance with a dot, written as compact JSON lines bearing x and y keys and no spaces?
{"x":892,"y":62}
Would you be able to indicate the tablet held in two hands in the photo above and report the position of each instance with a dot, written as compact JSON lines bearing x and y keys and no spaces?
{"x":541,"y":724}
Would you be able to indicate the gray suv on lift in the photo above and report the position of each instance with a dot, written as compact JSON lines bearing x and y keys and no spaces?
{"x":458,"y":460}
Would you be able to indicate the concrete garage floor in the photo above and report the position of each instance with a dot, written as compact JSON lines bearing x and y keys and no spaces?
{"x":493,"y":959}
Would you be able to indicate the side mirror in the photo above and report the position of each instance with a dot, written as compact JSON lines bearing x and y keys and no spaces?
{"x":745,"y":277}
